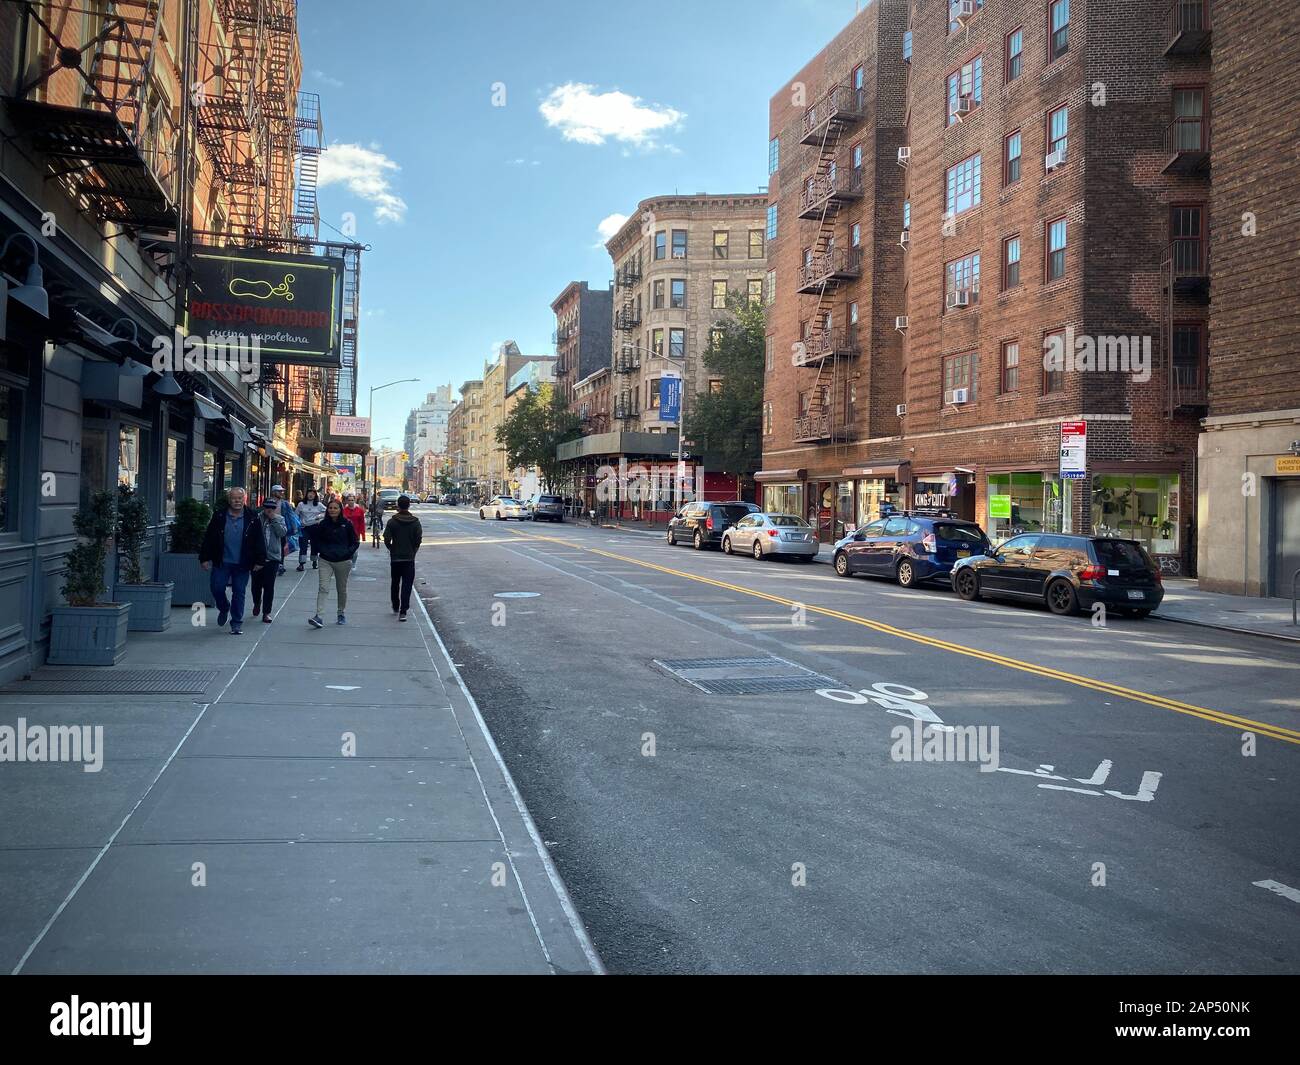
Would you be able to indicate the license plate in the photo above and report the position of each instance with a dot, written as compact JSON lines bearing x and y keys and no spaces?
{"x":1134,"y":593}
{"x":963,"y":554}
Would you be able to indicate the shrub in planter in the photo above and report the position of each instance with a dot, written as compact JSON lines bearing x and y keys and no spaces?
{"x":151,"y":601}
{"x":180,"y":565}
{"x":89,"y":631}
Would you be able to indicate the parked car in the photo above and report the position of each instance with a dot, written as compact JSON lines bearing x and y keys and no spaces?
{"x":388,"y":498}
{"x":909,"y":548}
{"x":502,"y":508}
{"x":769,"y":535}
{"x":1066,"y":573}
{"x":542,"y":507}
{"x":702,"y":524}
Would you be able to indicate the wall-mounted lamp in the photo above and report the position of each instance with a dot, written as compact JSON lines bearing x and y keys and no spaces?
{"x":32,"y":294}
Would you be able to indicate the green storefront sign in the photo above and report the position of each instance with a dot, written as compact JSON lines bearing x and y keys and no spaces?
{"x":999,"y":506}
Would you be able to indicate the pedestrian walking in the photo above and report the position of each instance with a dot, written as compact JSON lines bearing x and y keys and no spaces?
{"x":310,"y":510}
{"x":336,"y":540}
{"x":274,"y":533}
{"x":376,"y":510}
{"x":402,"y":536}
{"x":291,"y":522}
{"x":233,"y":548}
{"x":356,"y":514}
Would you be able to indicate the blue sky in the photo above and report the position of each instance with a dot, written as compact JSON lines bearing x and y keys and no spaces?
{"x":479,"y":214}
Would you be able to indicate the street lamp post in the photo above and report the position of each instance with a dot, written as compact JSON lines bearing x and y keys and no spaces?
{"x":371,"y":419}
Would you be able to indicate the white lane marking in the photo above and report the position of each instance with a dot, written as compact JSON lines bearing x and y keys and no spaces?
{"x":1279,"y":889}
{"x":157,"y":776}
{"x":552,"y":874}
{"x":344,"y":687}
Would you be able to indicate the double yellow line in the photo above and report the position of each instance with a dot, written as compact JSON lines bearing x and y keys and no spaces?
{"x":1219,"y":717}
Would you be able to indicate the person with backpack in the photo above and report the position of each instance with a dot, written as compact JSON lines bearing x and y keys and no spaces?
{"x":233,"y":548}
{"x":356,"y":514}
{"x":310,"y":510}
{"x":335,"y":539}
{"x":402,"y":536}
{"x":291,"y":523}
{"x":275,"y":533}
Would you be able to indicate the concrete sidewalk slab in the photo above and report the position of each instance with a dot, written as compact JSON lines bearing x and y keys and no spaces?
{"x":1187,"y":603}
{"x":274,"y":687}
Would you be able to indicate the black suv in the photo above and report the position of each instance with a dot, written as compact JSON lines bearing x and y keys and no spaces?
{"x":908,"y":548}
{"x":702,"y":524}
{"x":545,"y":507}
{"x":1065,"y":572}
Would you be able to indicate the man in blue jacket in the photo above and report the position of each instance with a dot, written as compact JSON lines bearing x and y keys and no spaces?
{"x":291,"y":522}
{"x":234,"y":545}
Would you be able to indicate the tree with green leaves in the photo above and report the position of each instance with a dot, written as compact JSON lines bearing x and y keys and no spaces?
{"x":728,"y":425}
{"x":539,"y":423}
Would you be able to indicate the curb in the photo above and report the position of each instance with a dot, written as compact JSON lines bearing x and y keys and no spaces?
{"x":1227,"y":628}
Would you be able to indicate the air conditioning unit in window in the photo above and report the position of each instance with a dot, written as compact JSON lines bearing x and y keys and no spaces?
{"x":959,"y":395}
{"x":1054,"y":159}
{"x":901,"y":410}
{"x":900,"y":323}
{"x":963,"y":107}
{"x":958,"y":298}
{"x":962,"y":11}
{"x":904,"y":238}
{"x":904,"y":155}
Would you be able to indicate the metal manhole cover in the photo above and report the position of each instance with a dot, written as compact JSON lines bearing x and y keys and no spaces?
{"x":748,"y":675}
{"x":121,"y":682}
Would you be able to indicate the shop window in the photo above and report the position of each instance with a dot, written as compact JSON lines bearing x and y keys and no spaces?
{"x":1141,"y":507}
{"x":1028,"y":502}
{"x":783,"y":498}
{"x":874,"y":494}
{"x":172,"y":476}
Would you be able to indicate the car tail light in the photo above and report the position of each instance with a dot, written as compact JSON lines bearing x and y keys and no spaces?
{"x":708,"y":522}
{"x":772,"y":532}
{"x":927,"y":542}
{"x":1155,"y":572}
{"x":1092,"y":573}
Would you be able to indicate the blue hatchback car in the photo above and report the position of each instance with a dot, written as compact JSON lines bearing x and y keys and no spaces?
{"x":909,"y":548}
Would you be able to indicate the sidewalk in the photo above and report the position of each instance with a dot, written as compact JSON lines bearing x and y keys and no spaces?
{"x":1184,"y":602}
{"x":414,"y":855}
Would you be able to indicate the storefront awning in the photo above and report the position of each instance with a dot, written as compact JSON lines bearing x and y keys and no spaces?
{"x":206,"y":409}
{"x":890,"y":472}
{"x":781,"y":475}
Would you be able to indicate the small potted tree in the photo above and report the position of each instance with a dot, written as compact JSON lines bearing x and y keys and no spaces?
{"x":180,"y":564}
{"x":89,"y":631}
{"x":151,"y":601}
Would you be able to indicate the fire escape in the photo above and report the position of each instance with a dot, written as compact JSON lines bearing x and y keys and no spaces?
{"x":827,"y":342}
{"x":627,"y":320}
{"x":92,"y":109}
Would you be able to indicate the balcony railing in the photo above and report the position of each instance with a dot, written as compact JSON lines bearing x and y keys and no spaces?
{"x":628,"y":276}
{"x":830,"y":191}
{"x":1188,"y":385}
{"x":812,"y":427}
{"x":627,"y":410}
{"x":626,"y":320}
{"x":626,"y":364}
{"x":1188,"y":261}
{"x":841,"y":108}
{"x":835,"y":265}
{"x":826,"y":343}
{"x":1188,"y":27}
{"x":1187,"y":145}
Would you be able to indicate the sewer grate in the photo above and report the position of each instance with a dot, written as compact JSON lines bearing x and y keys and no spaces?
{"x":750,"y":675}
{"x":122,"y":682}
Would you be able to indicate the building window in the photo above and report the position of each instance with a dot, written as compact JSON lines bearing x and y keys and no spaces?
{"x":1058,"y":37}
{"x":719,"y":295}
{"x":678,"y":296}
{"x":657,"y":341}
{"x":715,"y":339}
{"x":959,"y":372}
{"x":1011,"y":158}
{"x":1058,"y":126}
{"x":1054,"y":367}
{"x":962,"y":275}
{"x":858,"y":78}
{"x":652,"y":394}
{"x":953,"y":24}
{"x":856,"y":156}
{"x":771,"y":287}
{"x":657,"y":294}
{"x":129,"y":446}
{"x":679,"y":244}
{"x":1141,"y":507}
{"x":1015,"y":57}
{"x":771,"y":225}
{"x":853,"y":314}
{"x":767,"y":419}
{"x":907,"y":214}
{"x":963,"y":186}
{"x":720,"y":240}
{"x":773,"y":154}
{"x":1056,"y":249}
{"x":769,"y":355}
{"x":1011,"y":262}
{"x":715,"y":385}
{"x":661,"y":245}
{"x":755,"y":289}
{"x":1189,"y":127}
{"x":677,"y":343}
{"x":172,"y":476}
{"x":966,"y":83}
{"x":1010,"y":366}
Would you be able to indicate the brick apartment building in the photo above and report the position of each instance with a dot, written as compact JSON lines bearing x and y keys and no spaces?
{"x":1054,"y":191}
{"x":466,"y":447}
{"x":1248,"y":498}
{"x":583,"y":331}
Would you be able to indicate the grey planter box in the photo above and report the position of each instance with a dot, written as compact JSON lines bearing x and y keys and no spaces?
{"x":151,"y":605}
{"x":88,"y":635}
{"x":192,"y":584}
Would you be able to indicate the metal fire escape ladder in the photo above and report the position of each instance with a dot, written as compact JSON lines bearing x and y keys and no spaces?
{"x":823,"y":401}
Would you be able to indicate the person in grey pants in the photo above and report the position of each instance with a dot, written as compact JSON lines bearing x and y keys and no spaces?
{"x":336,"y":539}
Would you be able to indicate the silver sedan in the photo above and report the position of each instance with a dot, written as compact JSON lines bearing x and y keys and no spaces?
{"x":767,"y":535}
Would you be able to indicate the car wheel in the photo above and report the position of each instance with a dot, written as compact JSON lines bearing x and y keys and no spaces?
{"x":968,"y":585}
{"x":906,"y":574}
{"x":726,"y":545}
{"x":842,"y":564}
{"x":699,"y":540}
{"x":758,"y":550}
{"x":481,"y":516}
{"x":500,"y":516}
{"x":671,"y":538}
{"x":1061,"y":598}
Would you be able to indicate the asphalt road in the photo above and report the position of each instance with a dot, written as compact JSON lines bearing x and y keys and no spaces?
{"x":1145,"y":782}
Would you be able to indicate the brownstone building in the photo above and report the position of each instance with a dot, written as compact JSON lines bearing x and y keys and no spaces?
{"x":1248,"y":499}
{"x":584,"y":320}
{"x":1042,"y":229}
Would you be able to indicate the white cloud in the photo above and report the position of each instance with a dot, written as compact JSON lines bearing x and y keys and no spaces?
{"x":365,"y":172}
{"x":608,"y":226}
{"x":583,"y":114}
{"x":321,"y":76}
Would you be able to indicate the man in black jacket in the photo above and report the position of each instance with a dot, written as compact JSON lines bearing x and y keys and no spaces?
{"x":233,"y":547}
{"x":402,"y":537}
